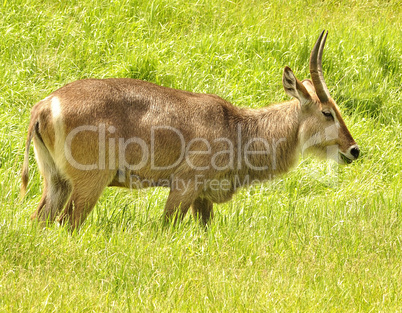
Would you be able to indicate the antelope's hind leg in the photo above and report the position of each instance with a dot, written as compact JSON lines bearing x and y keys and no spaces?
{"x":86,"y":192}
{"x":41,"y":204}
{"x":57,"y":187}
{"x":54,"y":197}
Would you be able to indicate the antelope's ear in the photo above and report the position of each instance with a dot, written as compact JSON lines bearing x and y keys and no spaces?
{"x":293,"y":87}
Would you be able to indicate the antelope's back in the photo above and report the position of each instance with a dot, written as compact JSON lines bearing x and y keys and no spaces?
{"x":133,"y":106}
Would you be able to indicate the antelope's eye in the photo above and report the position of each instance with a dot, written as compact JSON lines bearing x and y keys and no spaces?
{"x":327,"y":114}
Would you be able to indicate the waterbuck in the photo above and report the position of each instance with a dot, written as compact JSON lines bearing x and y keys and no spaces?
{"x":95,"y":133}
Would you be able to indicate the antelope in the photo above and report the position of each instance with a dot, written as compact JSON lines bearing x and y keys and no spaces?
{"x":123,"y":132}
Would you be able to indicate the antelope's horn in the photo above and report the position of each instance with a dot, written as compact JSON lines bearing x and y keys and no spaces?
{"x":316,"y":68}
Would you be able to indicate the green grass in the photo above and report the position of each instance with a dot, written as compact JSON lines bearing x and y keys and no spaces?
{"x":322,"y":238}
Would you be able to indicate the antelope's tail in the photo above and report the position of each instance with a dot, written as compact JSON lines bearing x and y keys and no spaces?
{"x":25,"y":166}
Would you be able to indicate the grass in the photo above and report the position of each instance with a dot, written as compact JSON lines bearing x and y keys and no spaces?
{"x":322,"y":238}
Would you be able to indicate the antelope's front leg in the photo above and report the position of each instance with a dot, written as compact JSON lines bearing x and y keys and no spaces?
{"x":203,"y":210}
{"x":182,"y":195}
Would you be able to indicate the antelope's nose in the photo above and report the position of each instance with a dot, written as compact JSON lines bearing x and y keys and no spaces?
{"x":355,"y":151}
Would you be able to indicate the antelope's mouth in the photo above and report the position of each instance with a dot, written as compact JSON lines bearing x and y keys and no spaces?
{"x":345,"y":158}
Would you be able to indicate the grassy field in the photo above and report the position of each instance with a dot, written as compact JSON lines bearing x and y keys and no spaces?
{"x":323,"y":238}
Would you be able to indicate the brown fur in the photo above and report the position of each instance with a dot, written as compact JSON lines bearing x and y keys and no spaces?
{"x":122,"y":109}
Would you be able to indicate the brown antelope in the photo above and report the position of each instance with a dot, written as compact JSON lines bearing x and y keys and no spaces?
{"x":93,"y":133}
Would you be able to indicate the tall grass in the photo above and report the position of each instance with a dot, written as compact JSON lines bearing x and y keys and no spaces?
{"x":322,"y":238}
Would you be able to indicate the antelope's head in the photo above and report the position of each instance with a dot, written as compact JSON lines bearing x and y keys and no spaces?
{"x":322,"y":130}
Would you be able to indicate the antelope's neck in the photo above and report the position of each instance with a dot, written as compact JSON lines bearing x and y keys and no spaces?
{"x":270,"y":142}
